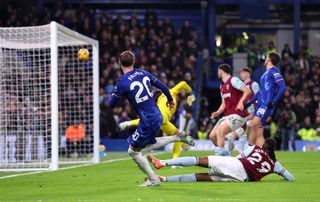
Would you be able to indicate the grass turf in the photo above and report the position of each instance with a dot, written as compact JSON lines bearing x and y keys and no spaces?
{"x":119,"y":180}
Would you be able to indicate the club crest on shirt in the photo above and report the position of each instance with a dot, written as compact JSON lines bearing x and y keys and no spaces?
{"x":227,"y":87}
{"x":267,"y":85}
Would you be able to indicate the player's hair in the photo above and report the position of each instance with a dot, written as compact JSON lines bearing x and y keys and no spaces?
{"x":274,"y":57}
{"x":126,"y":58}
{"x":246,"y":69}
{"x":270,"y":145}
{"x":225,"y":67}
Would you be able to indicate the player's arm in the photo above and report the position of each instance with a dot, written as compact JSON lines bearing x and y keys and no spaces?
{"x":238,"y":84}
{"x":158,"y":84}
{"x":116,"y":96}
{"x":246,"y":152}
{"x":255,"y":88}
{"x":281,"y":88}
{"x":183,"y":86}
{"x":220,"y":110}
{"x":280,"y":170}
{"x":253,"y":100}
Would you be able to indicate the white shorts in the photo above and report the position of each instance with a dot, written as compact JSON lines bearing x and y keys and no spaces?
{"x":226,"y":169}
{"x":249,"y":123}
{"x":233,"y":120}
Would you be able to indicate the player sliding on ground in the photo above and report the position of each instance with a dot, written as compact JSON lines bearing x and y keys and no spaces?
{"x":167,"y":113}
{"x":272,"y":86}
{"x":135,"y":85}
{"x":251,"y":165}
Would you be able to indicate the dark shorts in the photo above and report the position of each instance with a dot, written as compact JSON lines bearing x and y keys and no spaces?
{"x":263,"y":113}
{"x":146,"y":130}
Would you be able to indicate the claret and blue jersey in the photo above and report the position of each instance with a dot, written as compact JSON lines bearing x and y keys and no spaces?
{"x":136,"y":87}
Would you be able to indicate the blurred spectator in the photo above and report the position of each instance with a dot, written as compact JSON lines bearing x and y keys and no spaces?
{"x":307,"y":132}
{"x":271,"y":48}
{"x":75,"y":135}
{"x":317,"y":126}
{"x":286,"y":52}
{"x":107,"y":122}
{"x":287,"y":123}
{"x":202,"y":133}
{"x":186,"y":121}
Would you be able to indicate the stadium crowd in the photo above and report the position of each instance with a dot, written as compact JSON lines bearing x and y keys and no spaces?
{"x":171,"y":54}
{"x":168,"y":53}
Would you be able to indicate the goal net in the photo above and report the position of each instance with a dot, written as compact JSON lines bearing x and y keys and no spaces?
{"x":49,"y":111}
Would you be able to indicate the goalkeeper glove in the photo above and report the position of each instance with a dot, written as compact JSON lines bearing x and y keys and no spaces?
{"x":191,"y":99}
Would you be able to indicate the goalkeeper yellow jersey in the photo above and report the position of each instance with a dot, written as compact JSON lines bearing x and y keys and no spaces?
{"x":162,"y":100}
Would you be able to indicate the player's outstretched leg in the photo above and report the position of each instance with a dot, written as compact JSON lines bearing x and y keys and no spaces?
{"x":182,"y":161}
{"x":144,"y":166}
{"x":126,"y":124}
{"x":186,"y":178}
{"x":176,"y":149}
{"x":162,"y":141}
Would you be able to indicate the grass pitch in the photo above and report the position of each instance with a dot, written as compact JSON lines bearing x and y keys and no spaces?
{"x":118,"y":181}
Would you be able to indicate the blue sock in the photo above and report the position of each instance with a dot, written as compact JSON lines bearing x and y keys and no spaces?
{"x":182,"y":178}
{"x":182,"y":161}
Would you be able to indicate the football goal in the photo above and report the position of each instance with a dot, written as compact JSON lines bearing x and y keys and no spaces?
{"x":49,"y":101}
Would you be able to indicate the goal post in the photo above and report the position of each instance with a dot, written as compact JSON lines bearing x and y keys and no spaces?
{"x":49,"y":99}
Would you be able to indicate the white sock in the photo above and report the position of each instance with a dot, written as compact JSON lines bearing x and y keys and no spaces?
{"x":220,"y":150}
{"x":143,"y":164}
{"x":161,"y":141}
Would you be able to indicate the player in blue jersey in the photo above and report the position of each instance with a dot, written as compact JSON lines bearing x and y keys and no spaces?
{"x":272,"y":86}
{"x":135,"y":85}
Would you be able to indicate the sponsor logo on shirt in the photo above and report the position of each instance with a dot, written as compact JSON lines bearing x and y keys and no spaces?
{"x":226,"y":95}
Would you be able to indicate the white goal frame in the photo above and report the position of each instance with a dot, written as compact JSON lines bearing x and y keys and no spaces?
{"x":54,"y":162}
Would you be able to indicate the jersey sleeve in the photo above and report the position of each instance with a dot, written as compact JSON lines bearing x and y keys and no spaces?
{"x":237,"y":83}
{"x":280,"y":170}
{"x":277,"y":76}
{"x":255,"y":88}
{"x":246,"y":152}
{"x":117,"y":94}
{"x":281,"y":84}
{"x":118,"y":91}
{"x":179,"y":87}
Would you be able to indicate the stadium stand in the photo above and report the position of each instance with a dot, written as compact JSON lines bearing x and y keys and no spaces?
{"x":166,"y":51}
{"x":170,"y":51}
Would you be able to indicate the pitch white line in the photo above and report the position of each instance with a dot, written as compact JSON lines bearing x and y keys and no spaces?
{"x":70,"y":167}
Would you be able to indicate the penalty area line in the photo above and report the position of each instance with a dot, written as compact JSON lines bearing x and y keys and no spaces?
{"x":70,"y":167}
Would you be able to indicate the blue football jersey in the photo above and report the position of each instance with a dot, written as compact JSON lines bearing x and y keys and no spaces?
{"x":136,"y":87}
{"x":269,"y":85}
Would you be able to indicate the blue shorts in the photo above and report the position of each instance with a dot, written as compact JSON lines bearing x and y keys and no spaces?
{"x":263,"y":113}
{"x":146,"y":130}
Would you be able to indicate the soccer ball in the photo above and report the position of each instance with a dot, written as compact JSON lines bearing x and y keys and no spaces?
{"x":83,"y":54}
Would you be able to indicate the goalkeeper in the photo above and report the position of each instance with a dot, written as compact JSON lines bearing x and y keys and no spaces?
{"x":167,"y":113}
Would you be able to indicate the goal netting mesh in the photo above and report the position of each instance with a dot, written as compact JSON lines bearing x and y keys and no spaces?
{"x":28,"y":127}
